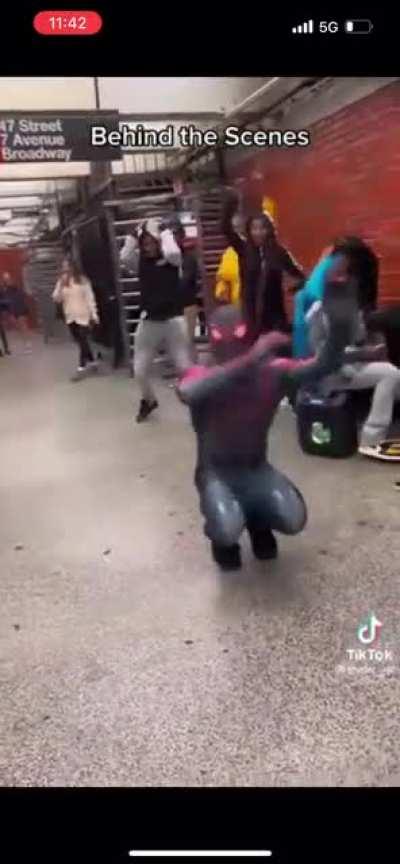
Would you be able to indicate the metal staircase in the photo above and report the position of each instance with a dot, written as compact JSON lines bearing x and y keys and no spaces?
{"x":211,"y":241}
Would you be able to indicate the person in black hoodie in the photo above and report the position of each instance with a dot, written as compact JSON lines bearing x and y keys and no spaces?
{"x":263,"y":262}
{"x":157,"y":259}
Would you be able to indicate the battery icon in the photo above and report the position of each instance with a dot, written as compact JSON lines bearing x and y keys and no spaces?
{"x":358,"y":26}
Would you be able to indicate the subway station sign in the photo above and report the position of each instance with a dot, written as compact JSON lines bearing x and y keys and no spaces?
{"x":54,"y":137}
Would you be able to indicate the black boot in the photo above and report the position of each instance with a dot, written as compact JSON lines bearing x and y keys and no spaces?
{"x":227,"y":557}
{"x":264,"y":544}
{"x":145,"y":409}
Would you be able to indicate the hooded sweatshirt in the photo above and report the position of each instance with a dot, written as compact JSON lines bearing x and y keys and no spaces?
{"x":160,"y":279}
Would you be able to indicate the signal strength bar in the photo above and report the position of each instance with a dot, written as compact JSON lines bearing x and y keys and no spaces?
{"x":306,"y":27}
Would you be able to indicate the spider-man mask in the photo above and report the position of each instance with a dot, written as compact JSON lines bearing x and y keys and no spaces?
{"x":228,"y":333}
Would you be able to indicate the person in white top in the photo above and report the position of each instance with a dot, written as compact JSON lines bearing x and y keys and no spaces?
{"x":75,"y":294}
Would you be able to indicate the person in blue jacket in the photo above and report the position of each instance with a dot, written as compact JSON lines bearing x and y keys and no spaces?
{"x":349,"y":257}
{"x":312,"y":292}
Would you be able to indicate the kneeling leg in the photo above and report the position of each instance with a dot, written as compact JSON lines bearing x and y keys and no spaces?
{"x":224,"y":520}
{"x":272,"y":503}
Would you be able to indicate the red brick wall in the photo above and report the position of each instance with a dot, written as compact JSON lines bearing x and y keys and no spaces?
{"x":346,"y":181}
{"x":12,"y":261}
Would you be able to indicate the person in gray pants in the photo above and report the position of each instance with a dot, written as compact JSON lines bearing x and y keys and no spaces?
{"x":365,"y":368}
{"x":157,"y":259}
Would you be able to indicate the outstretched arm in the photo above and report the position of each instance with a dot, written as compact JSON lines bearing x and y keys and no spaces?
{"x":293,"y":269}
{"x":300,"y":372}
{"x":200,"y":382}
{"x":340,"y":310}
{"x":291,"y":266}
{"x":229,"y":209}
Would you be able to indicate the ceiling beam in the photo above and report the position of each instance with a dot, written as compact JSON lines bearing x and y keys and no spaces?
{"x":245,"y":103}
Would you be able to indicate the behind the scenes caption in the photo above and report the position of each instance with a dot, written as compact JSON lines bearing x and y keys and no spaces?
{"x":190,"y":136}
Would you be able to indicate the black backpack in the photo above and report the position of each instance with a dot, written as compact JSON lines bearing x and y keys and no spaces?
{"x":327,"y":425}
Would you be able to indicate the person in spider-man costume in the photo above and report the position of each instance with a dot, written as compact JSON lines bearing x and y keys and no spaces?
{"x":232,"y":406}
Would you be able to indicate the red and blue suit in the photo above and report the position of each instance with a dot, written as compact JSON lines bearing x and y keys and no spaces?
{"x":232,"y":405}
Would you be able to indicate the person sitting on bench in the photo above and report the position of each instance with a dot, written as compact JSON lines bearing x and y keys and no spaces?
{"x":365,"y":368}
{"x":348,"y":256}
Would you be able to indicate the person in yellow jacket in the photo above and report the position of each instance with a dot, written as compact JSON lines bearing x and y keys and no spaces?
{"x":228,"y":287}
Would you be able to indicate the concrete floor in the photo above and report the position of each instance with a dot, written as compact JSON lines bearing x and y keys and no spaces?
{"x":126,"y":658}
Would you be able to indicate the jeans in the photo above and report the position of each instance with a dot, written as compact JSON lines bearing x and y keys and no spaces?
{"x":260,"y":498}
{"x":149,"y":337}
{"x":81,"y":336}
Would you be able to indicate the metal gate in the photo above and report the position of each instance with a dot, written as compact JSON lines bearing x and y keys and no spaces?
{"x":40,"y":275}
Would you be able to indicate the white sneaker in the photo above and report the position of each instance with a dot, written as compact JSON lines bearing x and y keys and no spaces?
{"x":385,"y":451}
{"x":79,"y":374}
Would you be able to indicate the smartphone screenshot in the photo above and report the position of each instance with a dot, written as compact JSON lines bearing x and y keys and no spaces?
{"x":199,"y":433}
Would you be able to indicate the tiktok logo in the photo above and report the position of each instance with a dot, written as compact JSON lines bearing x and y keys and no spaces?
{"x":368,"y":632}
